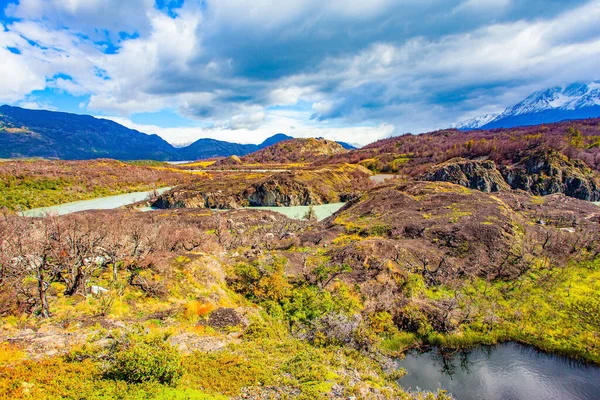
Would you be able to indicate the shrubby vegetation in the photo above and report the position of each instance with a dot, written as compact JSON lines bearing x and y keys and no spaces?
{"x":198,"y":303}
{"x":37,"y":183}
{"x":412,"y":154}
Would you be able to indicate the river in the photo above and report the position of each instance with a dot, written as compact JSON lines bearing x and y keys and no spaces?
{"x":102,"y":203}
{"x":107,"y":203}
{"x":322,"y":211}
{"x":508,"y":371}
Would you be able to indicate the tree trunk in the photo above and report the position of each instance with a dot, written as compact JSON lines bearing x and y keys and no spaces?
{"x":42,"y":288}
{"x":115,"y":270}
{"x":77,"y":281}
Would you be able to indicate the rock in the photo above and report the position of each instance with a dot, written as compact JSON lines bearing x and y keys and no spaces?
{"x":473,"y":174}
{"x":225,"y":318}
{"x":547,"y":172}
{"x":281,"y":191}
{"x":189,"y":342}
{"x":290,"y":188}
{"x":94,"y":289}
{"x":542,"y":173}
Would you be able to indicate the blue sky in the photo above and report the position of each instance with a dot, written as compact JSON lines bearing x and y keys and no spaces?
{"x":242,"y":70}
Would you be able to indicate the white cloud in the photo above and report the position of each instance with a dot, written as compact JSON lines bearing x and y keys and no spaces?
{"x":87,"y":16}
{"x":291,"y":123}
{"x":18,"y":79}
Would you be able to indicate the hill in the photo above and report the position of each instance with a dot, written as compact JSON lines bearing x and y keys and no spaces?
{"x":554,"y":158}
{"x":295,"y":150}
{"x":575,"y":101}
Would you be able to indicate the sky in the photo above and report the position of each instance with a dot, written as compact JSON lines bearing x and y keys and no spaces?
{"x":241,"y":70}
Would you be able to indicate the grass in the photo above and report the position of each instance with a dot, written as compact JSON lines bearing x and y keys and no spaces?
{"x":28,"y":184}
{"x":555,"y":310}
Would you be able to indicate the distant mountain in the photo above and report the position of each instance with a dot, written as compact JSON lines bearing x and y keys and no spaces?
{"x":280,"y":137}
{"x":475,"y":123}
{"x":347,"y":146}
{"x":208,"y":148}
{"x":38,"y":133}
{"x":575,"y":101}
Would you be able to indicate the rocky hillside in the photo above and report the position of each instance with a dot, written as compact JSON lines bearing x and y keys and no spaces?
{"x":473,"y":174}
{"x":295,"y":151}
{"x":541,"y":173}
{"x":555,"y":158}
{"x":414,"y":154}
{"x":294,"y":188}
{"x":399,"y":237}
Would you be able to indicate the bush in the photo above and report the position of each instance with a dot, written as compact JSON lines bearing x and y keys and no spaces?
{"x":139,"y":362}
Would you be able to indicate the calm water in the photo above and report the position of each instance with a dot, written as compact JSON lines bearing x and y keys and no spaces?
{"x":381,"y":178}
{"x":102,"y":203}
{"x":298,"y":212}
{"x":507,"y":371}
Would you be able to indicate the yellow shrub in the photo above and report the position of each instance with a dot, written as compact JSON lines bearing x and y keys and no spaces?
{"x":197,"y":309}
{"x":10,"y":353}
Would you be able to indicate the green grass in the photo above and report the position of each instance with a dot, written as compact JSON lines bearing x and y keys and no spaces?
{"x":556,"y":310}
{"x":38,"y":192}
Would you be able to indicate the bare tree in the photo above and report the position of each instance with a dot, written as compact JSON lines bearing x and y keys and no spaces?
{"x":77,"y":247}
{"x":33,"y":249}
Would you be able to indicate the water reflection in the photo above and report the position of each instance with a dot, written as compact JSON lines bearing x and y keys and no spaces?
{"x":508,"y":371}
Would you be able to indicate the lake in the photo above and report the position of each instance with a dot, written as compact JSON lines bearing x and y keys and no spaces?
{"x":102,"y":203}
{"x":508,"y":371}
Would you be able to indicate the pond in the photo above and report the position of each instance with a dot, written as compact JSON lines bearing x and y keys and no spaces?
{"x":102,"y":203}
{"x":508,"y":371}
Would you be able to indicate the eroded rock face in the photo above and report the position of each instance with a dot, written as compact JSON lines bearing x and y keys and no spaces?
{"x":281,"y":190}
{"x":543,"y":173}
{"x":187,"y":198}
{"x":294,"y":188}
{"x":479,"y":175}
{"x":550,"y":172}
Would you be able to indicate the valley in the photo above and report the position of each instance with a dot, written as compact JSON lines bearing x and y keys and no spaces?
{"x":304,"y":270}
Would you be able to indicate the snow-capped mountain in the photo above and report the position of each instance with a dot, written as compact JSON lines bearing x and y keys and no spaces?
{"x":575,"y":101}
{"x":475,"y":123}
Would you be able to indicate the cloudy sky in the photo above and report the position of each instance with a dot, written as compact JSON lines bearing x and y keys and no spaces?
{"x":243,"y":70}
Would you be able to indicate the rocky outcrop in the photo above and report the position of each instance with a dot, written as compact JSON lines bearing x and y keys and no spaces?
{"x":474,"y":174}
{"x":542,"y":173}
{"x":548,"y":172}
{"x":283,"y":189}
{"x":189,"y":198}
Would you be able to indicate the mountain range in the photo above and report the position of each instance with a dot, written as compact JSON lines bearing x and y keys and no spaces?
{"x":50,"y":134}
{"x":574,"y":101}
